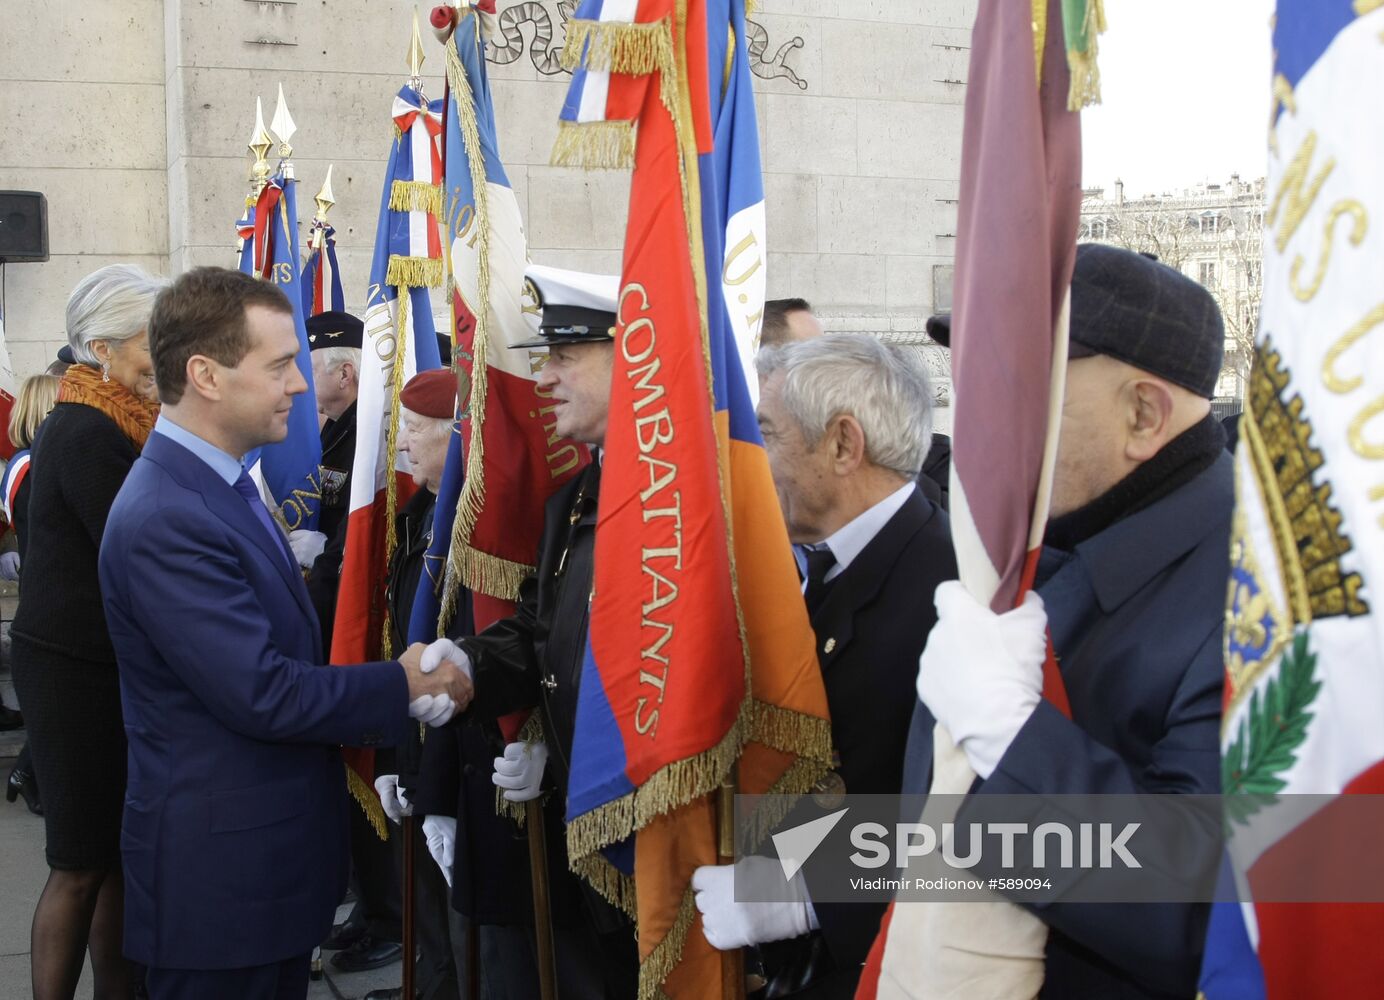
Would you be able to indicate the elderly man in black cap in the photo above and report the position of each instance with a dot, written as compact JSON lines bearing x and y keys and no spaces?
{"x":1131,"y":589}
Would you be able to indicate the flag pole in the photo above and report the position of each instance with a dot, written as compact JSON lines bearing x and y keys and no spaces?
{"x":406,"y":832}
{"x":732,"y":962}
{"x":542,"y":902}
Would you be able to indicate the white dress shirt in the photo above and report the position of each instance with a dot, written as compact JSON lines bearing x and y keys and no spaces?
{"x":848,"y":541}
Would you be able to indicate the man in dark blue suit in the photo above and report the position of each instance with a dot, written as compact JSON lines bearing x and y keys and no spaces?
{"x":1131,"y":588}
{"x":234,"y":835}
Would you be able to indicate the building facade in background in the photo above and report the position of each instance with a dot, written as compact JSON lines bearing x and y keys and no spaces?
{"x":1212,"y":233}
{"x":133,"y":117}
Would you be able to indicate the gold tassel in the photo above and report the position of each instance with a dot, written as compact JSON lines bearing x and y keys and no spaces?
{"x":1085,"y":87}
{"x":530,"y":732}
{"x":489,"y":573}
{"x":619,"y":47}
{"x":660,"y":963}
{"x":416,"y":196}
{"x":368,"y":800}
{"x":607,"y":145}
{"x":790,"y":732}
{"x":413,"y":272}
{"x":613,"y":885}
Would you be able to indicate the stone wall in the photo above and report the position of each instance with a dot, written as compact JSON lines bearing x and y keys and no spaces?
{"x":859,"y":108}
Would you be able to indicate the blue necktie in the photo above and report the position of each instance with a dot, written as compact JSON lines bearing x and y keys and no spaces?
{"x":245,"y":486}
{"x":820,"y":560}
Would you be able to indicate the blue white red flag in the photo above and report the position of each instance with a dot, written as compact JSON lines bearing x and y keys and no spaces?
{"x":399,"y":341}
{"x":321,"y":276}
{"x":1304,"y":646}
{"x":290,"y":471}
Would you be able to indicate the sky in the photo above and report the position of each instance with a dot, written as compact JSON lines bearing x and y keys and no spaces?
{"x":1185,"y":98}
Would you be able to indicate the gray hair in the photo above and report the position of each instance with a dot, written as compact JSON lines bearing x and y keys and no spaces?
{"x":884,"y":388}
{"x":112,"y":303}
{"x":334,"y":357}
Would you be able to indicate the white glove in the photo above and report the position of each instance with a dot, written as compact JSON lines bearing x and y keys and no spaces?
{"x":445,"y":651}
{"x":729,"y":923}
{"x":520,"y":770}
{"x":396,"y":806}
{"x":441,"y":834}
{"x":9,"y":566}
{"x":432,"y":709}
{"x":307,"y":546}
{"x":981,"y":674}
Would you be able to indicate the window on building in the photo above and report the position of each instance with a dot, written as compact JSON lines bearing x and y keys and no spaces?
{"x":1206,"y":273}
{"x":1210,"y":222}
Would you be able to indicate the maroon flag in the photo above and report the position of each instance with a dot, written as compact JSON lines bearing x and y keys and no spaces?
{"x":1016,"y":242}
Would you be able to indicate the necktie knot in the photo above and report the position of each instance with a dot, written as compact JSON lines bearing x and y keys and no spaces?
{"x":245,"y":486}
{"x":820,"y":560}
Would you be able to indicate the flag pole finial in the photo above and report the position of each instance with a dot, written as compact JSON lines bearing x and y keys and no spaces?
{"x":324,"y":200}
{"x":259,"y":145}
{"x":416,"y":55}
{"x":283,"y":128}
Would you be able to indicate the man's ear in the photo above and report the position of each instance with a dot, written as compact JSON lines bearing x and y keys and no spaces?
{"x":846,"y":439}
{"x":1150,"y":417}
{"x":204,"y":377}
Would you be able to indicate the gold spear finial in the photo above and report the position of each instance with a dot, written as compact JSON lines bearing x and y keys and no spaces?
{"x":416,"y":55}
{"x":259,"y":146}
{"x":325,"y":199}
{"x":283,"y":128}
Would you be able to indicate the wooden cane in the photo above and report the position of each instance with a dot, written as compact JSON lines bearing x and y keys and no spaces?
{"x":732,"y":962}
{"x":542,"y":904}
{"x":406,"y":831}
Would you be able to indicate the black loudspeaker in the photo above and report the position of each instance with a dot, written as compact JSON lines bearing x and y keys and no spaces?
{"x":23,"y":227}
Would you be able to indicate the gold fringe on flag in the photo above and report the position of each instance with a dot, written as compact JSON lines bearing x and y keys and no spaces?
{"x":413,"y":272}
{"x":619,"y":47}
{"x":660,"y":963}
{"x":369,"y":802}
{"x":1040,"y":35}
{"x":530,"y":732}
{"x":607,"y":145}
{"x":491,"y":574}
{"x":416,"y":196}
{"x":1085,"y":88}
{"x":614,"y":886}
{"x":391,"y":450}
{"x":459,"y":571}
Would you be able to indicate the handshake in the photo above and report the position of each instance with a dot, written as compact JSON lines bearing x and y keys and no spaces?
{"x":435,"y":695}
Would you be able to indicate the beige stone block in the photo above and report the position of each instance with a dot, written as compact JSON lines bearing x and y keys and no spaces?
{"x":33,"y":358}
{"x":526,"y":114}
{"x":790,"y":207}
{"x":36,"y":294}
{"x":592,"y":261}
{"x":577,"y":209}
{"x":883,"y":215}
{"x":908,"y":282}
{"x":808,"y":134}
{"x":903,"y":139}
{"x":936,"y":13}
{"x":54,"y":40}
{"x":801,"y":8}
{"x":107,"y":125}
{"x":841,"y":280}
{"x":99,"y":211}
{"x":904,"y":62}
{"x":786,"y":54}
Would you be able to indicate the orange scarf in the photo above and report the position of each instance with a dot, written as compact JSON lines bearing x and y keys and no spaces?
{"x":134,"y":415}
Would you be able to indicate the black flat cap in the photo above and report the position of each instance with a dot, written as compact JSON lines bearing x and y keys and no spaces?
{"x":1132,"y":308}
{"x":334,"y":329}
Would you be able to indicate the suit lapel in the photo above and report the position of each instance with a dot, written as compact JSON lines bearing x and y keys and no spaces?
{"x":223,"y":501}
{"x":860,"y":582}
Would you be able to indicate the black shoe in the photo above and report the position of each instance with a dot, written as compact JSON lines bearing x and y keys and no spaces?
{"x":367,"y":953}
{"x":22,"y":782}
{"x":346,"y":933}
{"x":10,"y":719}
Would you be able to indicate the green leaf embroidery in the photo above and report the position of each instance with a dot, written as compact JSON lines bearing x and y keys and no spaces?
{"x":1266,"y":743}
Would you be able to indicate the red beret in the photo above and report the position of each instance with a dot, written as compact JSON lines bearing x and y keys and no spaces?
{"x":431,"y":394}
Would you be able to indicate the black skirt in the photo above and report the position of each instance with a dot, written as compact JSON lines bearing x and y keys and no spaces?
{"x":77,"y":738}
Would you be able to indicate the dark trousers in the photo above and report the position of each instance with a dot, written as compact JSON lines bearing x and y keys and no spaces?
{"x":376,"y":871}
{"x":286,"y":980}
{"x":435,"y":975}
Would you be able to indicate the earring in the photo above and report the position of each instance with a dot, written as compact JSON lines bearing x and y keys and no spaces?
{"x":105,"y":371}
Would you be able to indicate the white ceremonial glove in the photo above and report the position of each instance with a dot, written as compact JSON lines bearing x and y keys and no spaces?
{"x":307,"y":546}
{"x":520,"y":770}
{"x":9,"y":566}
{"x":728,"y":923}
{"x":396,"y":805}
{"x":445,"y":651}
{"x":432,"y":709}
{"x":441,"y":834}
{"x":981,"y":674}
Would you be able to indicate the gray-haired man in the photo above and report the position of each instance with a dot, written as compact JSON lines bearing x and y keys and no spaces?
{"x":846,"y":422}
